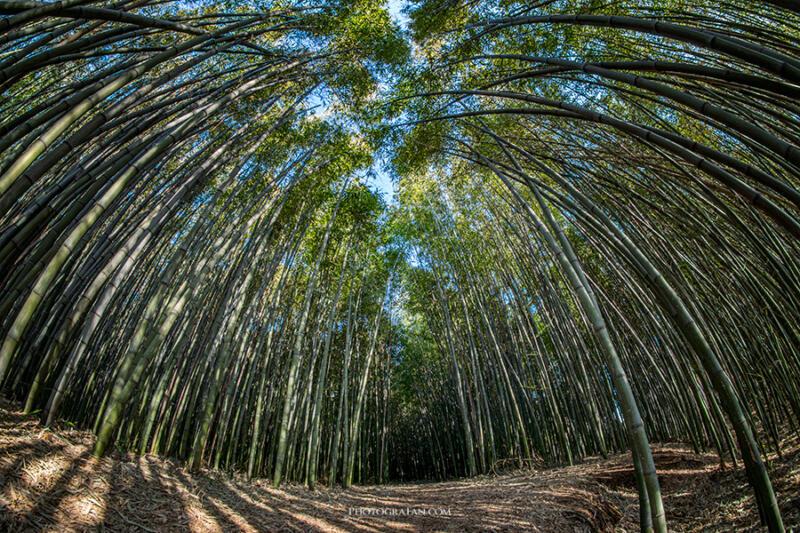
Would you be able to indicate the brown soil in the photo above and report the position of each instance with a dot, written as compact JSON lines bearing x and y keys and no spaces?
{"x":49,"y":481}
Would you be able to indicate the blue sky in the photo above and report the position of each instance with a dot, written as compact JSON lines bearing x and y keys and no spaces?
{"x":378,"y":179}
{"x":381,"y":180}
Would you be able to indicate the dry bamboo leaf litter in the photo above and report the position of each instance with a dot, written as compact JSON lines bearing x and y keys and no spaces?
{"x":50,"y":482}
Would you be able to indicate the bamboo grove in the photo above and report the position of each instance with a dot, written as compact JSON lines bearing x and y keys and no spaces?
{"x":180,"y":225}
{"x":593,"y":244}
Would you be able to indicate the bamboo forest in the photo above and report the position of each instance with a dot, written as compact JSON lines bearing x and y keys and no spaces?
{"x":400,"y":265}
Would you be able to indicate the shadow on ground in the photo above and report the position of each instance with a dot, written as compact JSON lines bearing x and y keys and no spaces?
{"x":50,"y":482}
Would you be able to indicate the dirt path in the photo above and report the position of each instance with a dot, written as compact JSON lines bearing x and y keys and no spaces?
{"x":50,"y":482}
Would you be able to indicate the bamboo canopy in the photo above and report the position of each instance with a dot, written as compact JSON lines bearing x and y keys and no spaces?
{"x":593,"y":243}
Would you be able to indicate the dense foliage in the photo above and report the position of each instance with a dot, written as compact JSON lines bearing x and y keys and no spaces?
{"x":593,"y":242}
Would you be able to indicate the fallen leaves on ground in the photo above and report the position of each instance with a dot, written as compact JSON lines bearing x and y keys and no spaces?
{"x":51,"y":482}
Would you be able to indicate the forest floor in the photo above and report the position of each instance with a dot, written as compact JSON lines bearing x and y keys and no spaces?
{"x":49,"y":481}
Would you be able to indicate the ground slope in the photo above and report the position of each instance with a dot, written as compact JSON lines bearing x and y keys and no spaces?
{"x":51,"y":482}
